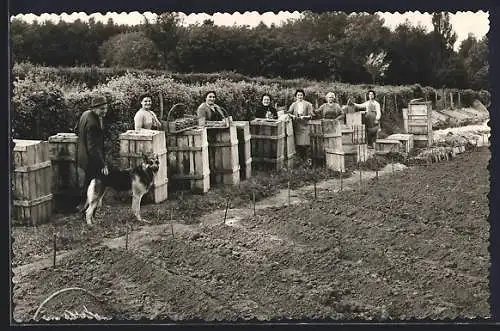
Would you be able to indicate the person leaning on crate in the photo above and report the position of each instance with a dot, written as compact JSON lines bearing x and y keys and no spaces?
{"x":91,"y":143}
{"x":301,"y":111}
{"x":145,"y":118}
{"x":372,"y":117}
{"x":330,"y":109}
{"x":209,"y":109}
{"x":265,"y":109}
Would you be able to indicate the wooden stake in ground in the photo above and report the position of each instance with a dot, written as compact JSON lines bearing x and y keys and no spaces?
{"x":376,"y":174}
{"x":54,"y":239}
{"x":289,"y":192}
{"x":315,"y":190}
{"x":172,"y":222}
{"x":126,"y":234}
{"x":341,"y":181}
{"x":227,"y":207}
{"x":253,"y":200}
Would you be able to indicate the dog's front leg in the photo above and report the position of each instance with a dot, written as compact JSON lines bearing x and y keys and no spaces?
{"x":136,"y":206}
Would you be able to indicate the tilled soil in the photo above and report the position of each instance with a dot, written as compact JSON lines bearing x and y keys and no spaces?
{"x":410,"y":245}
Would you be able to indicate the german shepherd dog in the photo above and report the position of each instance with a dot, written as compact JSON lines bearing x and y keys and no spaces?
{"x":139,"y":180}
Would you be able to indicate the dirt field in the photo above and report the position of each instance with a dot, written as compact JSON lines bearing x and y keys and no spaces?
{"x":412,"y":244}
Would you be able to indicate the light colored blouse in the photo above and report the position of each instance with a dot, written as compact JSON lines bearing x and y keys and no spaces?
{"x":146,"y":119}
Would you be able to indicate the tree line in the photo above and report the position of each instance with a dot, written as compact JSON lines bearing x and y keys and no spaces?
{"x":355,"y":48}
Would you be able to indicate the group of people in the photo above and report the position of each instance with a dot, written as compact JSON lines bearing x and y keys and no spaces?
{"x":300,"y":111}
{"x":91,"y":155}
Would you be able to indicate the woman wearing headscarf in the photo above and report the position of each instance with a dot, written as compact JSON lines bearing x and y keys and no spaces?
{"x":372,"y":117}
{"x":301,"y":111}
{"x":330,"y":109}
{"x":265,"y":109}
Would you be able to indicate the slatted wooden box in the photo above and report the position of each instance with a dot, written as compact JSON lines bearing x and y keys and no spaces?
{"x":422,"y":140}
{"x":358,"y":134}
{"x":324,"y":133}
{"x":31,"y":183}
{"x":133,"y":144}
{"x":419,"y":120}
{"x":384,"y":146}
{"x":405,"y":139}
{"x":67,"y":177}
{"x":188,"y":165}
{"x":347,"y":135}
{"x":244,"y":149}
{"x":354,"y":154}
{"x":223,"y":156}
{"x":268,"y":143}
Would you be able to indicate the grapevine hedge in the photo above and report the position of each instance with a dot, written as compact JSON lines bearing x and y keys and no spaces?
{"x":44,"y":103}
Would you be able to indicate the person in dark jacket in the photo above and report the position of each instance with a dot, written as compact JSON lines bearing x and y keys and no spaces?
{"x":91,"y":143}
{"x":265,"y":109}
{"x":210,"y":110}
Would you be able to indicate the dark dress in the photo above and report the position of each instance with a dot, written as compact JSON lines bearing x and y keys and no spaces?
{"x":261,"y":111}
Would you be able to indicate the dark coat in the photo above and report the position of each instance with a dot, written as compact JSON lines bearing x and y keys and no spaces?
{"x":90,"y":142}
{"x":261,"y":110}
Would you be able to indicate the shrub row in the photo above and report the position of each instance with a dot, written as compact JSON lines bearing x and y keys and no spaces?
{"x":44,"y":106}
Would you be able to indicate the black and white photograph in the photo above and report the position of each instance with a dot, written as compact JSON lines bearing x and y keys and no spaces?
{"x":251,"y":166}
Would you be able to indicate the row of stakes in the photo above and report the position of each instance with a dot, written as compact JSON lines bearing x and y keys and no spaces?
{"x":226,"y":210}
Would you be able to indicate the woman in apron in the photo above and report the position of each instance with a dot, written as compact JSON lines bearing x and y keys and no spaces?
{"x":372,"y":117}
{"x":301,"y":111}
{"x":330,"y":109}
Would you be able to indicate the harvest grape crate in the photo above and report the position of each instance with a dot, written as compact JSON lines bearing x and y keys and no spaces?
{"x":31,"y":182}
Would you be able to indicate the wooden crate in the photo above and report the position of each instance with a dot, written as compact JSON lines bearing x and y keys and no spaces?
{"x":188,"y":166}
{"x":420,"y":108}
{"x":352,"y":119}
{"x":268,"y":143}
{"x":347,"y":135}
{"x":324,"y":133}
{"x":422,"y":140}
{"x":359,"y":134}
{"x":31,"y":183}
{"x":133,"y":144}
{"x":289,"y":143}
{"x":419,"y":119}
{"x":355,"y":153}
{"x":335,"y":159}
{"x":405,"y":139}
{"x":244,"y":149}
{"x":223,"y":156}
{"x":384,"y":146}
{"x":67,"y":177}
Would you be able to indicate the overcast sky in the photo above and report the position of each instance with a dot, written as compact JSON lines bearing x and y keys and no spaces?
{"x":463,"y":23}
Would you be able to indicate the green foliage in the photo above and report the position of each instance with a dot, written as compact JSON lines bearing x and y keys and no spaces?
{"x":319,"y":46}
{"x":43,"y":105}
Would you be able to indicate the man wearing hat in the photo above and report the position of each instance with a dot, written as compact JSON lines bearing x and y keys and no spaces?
{"x":91,"y":143}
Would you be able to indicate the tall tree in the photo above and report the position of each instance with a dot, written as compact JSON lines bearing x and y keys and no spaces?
{"x":444,"y":29}
{"x":165,"y":33}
